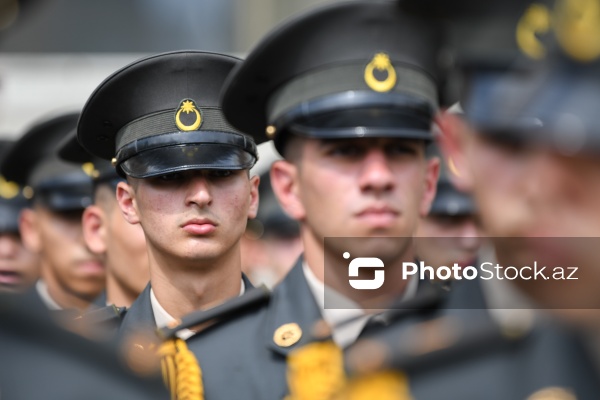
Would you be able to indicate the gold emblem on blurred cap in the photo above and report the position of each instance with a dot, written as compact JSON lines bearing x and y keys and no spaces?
{"x":535,"y":21}
{"x":553,"y":393}
{"x":381,"y":63}
{"x":8,"y":190}
{"x":577,"y":26}
{"x":90,"y":170}
{"x":188,"y":106}
{"x":287,"y":335}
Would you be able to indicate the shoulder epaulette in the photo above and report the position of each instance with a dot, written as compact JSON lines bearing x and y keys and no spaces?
{"x":251,"y":298}
{"x":103,"y":315}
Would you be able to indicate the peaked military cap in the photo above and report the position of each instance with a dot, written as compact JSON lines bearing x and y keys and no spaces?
{"x":101,"y":171}
{"x":356,"y":69}
{"x":549,"y":94}
{"x":161,"y":114}
{"x":12,"y":200}
{"x":33,"y":163}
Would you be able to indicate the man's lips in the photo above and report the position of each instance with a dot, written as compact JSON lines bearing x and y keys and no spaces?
{"x":10,"y":278}
{"x":91,"y":267}
{"x":199,"y":226}
{"x":378,"y":215}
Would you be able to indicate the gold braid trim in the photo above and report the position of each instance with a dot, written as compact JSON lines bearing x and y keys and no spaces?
{"x":385,"y":385}
{"x":315,"y":371}
{"x":181,"y":371}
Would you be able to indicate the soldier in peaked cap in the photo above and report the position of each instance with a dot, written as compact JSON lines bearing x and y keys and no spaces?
{"x":552,"y":160}
{"x":525,"y":187}
{"x":450,"y":232}
{"x":121,"y":245}
{"x":71,"y":276}
{"x":188,"y":184}
{"x":348,"y":95}
{"x":19,"y":267}
{"x":537,"y":122}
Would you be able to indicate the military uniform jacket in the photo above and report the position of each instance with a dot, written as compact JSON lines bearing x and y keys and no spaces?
{"x":140,"y":317}
{"x":240,"y":357}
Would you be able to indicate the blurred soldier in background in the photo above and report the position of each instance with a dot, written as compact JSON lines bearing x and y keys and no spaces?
{"x":272,"y":242}
{"x":120,"y":245}
{"x":19,"y":267}
{"x":71,"y":276}
{"x":545,"y":151}
{"x":518,"y":352}
{"x":450,"y":233}
{"x":42,"y":361}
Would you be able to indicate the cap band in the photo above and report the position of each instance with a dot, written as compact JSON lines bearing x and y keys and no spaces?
{"x":164,"y":122}
{"x":347,"y":78}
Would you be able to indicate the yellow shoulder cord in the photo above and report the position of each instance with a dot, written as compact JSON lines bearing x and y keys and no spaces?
{"x":383,"y":385}
{"x":315,"y":371}
{"x":181,"y":371}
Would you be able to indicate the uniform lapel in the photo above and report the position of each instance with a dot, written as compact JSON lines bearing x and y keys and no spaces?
{"x":292,"y":302}
{"x":140,"y":316}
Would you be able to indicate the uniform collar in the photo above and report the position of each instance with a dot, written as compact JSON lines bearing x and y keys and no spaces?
{"x":348,"y":322}
{"x":347,"y":333}
{"x":42,"y":290}
{"x":162,"y":318}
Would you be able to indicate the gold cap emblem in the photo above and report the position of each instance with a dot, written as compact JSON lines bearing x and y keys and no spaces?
{"x":287,"y":335}
{"x":577,"y":25}
{"x":90,"y":170}
{"x":28,"y":192}
{"x":8,"y":190}
{"x":535,"y":21}
{"x":381,"y":63}
{"x":553,"y":393}
{"x":270,"y":131}
{"x":193,"y":122}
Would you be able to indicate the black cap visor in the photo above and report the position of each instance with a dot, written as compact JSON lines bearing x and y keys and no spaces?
{"x":361,"y":115}
{"x":9,"y":214}
{"x":452,"y":203}
{"x":176,"y":158}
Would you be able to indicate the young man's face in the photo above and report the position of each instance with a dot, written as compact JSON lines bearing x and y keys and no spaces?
{"x":126,"y":250}
{"x":121,"y":244}
{"x":67,"y":262}
{"x":533,"y":192}
{"x":529,"y":191}
{"x":192,"y":215}
{"x":358,"y":187}
{"x":447,"y":239}
{"x":19,"y":267}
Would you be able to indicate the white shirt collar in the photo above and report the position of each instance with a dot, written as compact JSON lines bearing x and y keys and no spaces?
{"x":346,"y":333}
{"x":163,"y":318}
{"x":42,"y":290}
{"x":506,"y":304}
